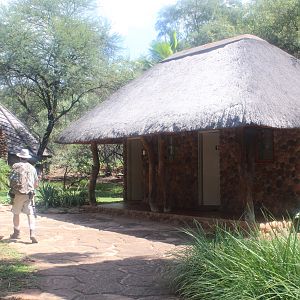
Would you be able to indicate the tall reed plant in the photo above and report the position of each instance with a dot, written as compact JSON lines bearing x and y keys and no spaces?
{"x":238,"y":266}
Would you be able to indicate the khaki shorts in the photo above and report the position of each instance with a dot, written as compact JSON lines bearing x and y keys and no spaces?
{"x":22,"y":204}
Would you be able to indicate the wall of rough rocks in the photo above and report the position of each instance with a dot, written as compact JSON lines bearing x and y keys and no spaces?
{"x":3,"y":146}
{"x":182,"y":171}
{"x":276,"y":185}
{"x":230,"y":165}
{"x":276,"y":182}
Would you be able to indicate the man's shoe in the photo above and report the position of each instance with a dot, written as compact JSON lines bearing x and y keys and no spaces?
{"x":33,"y":238}
{"x":16,"y":234}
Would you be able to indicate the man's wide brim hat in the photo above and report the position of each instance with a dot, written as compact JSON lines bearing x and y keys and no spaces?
{"x":24,"y":153}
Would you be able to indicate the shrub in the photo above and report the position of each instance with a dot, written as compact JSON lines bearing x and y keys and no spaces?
{"x":4,"y":175}
{"x":50,"y":195}
{"x":232,"y":267}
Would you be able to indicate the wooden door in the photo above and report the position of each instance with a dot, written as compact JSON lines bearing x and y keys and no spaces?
{"x":209,"y":169}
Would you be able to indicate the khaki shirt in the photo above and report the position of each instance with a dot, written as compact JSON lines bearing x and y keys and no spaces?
{"x":31,"y":176}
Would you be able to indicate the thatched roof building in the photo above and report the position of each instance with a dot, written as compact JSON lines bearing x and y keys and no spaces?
{"x":235,"y":82}
{"x":213,"y":127}
{"x":17,"y":134}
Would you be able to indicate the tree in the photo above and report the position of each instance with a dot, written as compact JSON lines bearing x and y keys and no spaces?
{"x":199,"y":22}
{"x":52,"y":55}
{"x":277,"y":21}
{"x":160,"y":50}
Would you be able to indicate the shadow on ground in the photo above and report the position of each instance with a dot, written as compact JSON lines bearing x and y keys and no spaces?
{"x":133,"y":278}
{"x":152,"y":231}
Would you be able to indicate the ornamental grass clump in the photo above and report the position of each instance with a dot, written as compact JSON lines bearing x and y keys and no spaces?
{"x":235,"y":265}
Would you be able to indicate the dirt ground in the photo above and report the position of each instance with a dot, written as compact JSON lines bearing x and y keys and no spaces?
{"x":94,"y":256}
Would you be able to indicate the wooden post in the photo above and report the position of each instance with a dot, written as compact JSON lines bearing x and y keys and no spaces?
{"x":94,"y":174}
{"x":248,"y":171}
{"x":152,"y":195}
{"x":162,"y":172}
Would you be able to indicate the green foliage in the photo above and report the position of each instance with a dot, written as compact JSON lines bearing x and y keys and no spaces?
{"x":4,"y":197}
{"x":74,"y":160}
{"x":277,"y":21}
{"x":15,"y":273}
{"x":109,"y":192}
{"x":48,"y":196}
{"x":51,"y":195}
{"x":4,"y":175}
{"x":200,"y":22}
{"x":238,"y":265}
{"x":53,"y":55}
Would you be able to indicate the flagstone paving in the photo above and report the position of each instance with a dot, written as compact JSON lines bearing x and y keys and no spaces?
{"x":94,"y":256}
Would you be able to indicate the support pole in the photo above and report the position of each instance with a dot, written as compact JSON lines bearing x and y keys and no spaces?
{"x":94,"y":174}
{"x":248,"y":166}
{"x":152,"y":195}
{"x":162,"y":172}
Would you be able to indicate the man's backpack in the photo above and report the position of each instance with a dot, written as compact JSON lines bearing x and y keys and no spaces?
{"x":19,"y":178}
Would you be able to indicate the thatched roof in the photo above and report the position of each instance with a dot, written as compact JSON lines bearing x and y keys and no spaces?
{"x":17,"y":134}
{"x":235,"y":82}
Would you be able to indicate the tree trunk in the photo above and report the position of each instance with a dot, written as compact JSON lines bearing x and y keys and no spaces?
{"x":46,"y":136}
{"x":94,"y":174}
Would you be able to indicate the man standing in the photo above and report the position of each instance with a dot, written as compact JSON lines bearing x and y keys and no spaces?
{"x":23,"y":182}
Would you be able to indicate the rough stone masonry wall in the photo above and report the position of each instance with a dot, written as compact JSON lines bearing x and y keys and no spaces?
{"x":182,"y":171}
{"x":230,"y":165}
{"x":3,"y":146}
{"x":277,"y":183}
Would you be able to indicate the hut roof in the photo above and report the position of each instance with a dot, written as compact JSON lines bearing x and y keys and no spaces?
{"x":235,"y":82}
{"x":17,"y":134}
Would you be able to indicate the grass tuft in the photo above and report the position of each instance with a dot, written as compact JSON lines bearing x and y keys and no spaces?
{"x":15,"y":273}
{"x":236,"y":265}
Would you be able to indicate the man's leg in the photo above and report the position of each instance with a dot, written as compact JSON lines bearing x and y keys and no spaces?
{"x":16,"y":209}
{"x":31,"y":223}
{"x":16,"y":222}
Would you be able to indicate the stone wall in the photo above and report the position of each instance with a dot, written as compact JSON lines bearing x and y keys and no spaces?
{"x":277,"y":182}
{"x":182,"y":171}
{"x":3,"y":146}
{"x":230,"y":165}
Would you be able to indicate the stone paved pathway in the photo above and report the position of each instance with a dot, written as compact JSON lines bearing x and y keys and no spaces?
{"x":94,"y":256}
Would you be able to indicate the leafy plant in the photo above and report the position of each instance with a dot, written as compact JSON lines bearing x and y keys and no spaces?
{"x":4,"y":175}
{"x":48,"y":196}
{"x":73,"y":197}
{"x":232,"y":267}
{"x":51,"y":195}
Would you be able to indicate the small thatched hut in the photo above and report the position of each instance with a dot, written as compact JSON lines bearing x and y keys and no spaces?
{"x":217,"y":126}
{"x":16,"y":136}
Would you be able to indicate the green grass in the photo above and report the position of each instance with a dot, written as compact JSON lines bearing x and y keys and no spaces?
{"x":109,"y":192}
{"x":236,"y":265}
{"x":105,"y":192}
{"x":15,"y":273}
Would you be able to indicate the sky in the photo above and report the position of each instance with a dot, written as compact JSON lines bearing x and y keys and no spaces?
{"x":134,"y":20}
